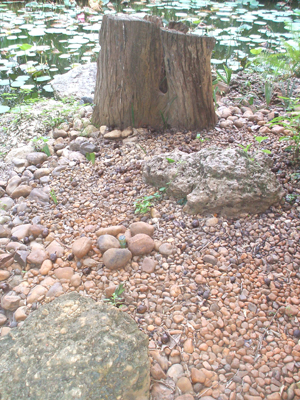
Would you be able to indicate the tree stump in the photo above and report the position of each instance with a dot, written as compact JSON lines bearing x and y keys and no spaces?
{"x":151,"y":76}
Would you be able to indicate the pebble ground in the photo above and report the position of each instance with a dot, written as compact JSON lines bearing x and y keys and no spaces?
{"x":222,"y":310}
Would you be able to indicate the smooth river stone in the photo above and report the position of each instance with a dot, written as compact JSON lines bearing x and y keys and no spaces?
{"x":140,"y":244}
{"x":116,"y":258}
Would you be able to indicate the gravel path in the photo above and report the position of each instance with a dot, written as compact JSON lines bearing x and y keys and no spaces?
{"x":220,"y":306}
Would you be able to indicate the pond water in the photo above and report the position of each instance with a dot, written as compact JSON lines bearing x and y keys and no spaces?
{"x":39,"y":40}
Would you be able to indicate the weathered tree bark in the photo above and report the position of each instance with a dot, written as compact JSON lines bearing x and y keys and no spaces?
{"x":151,"y":76}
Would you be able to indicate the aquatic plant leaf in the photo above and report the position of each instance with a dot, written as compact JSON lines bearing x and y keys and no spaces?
{"x":43,"y":78}
{"x":48,"y":88}
{"x":4,"y":109}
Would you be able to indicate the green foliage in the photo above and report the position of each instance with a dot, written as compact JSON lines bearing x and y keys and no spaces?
{"x":290,"y":122}
{"x":259,"y":139}
{"x":116,"y":299}
{"x":21,"y":98}
{"x":45,"y":148}
{"x":268,"y":91}
{"x":143,"y":205}
{"x":53,"y":196}
{"x":70,"y":100}
{"x":295,"y":176}
{"x":200,"y":138}
{"x":286,"y":61}
{"x":25,"y":46}
{"x":228,"y":73}
{"x":291,"y":198}
{"x":244,"y":62}
{"x":266,"y":62}
{"x":256,"y":51}
{"x":287,"y":95}
{"x":9,"y":96}
{"x":246,"y":148}
{"x":170,"y":160}
{"x":57,"y":115}
{"x":165,"y":120}
{"x":291,"y":54}
{"x":142,"y":148}
{"x":91,"y":157}
{"x":216,"y":90}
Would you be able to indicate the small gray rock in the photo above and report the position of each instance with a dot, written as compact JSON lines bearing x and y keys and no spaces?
{"x":10,"y":302}
{"x":36,"y":158}
{"x":39,"y":196}
{"x":21,"y":191}
{"x":12,"y":184}
{"x":210,"y":259}
{"x":140,"y":244}
{"x":244,"y":295}
{"x":57,"y":171}
{"x":148,"y":265}
{"x":106,"y":242}
{"x":252,"y":307}
{"x":55,"y":290}
{"x":20,"y":162}
{"x":116,"y":258}
{"x":83,"y":145}
{"x":141,"y":227}
{"x":6,"y":203}
{"x":90,"y":131}
{"x":59,"y":133}
{"x":166,"y":249}
{"x":41,"y":172}
{"x":4,"y":232}
{"x":21,"y":257}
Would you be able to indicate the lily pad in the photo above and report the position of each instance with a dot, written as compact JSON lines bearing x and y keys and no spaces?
{"x":74,"y":46}
{"x":25,"y":46}
{"x":43,"y":78}
{"x":4,"y":109}
{"x":17,"y":84}
{"x":48,"y":88}
{"x":37,"y":32}
{"x":27,"y":87}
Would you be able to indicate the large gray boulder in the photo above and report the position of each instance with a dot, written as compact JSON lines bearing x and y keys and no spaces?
{"x":75,"y":348}
{"x":223,"y":181}
{"x":78,"y":82}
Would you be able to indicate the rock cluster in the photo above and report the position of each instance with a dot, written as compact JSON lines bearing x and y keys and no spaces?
{"x":139,"y":243}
